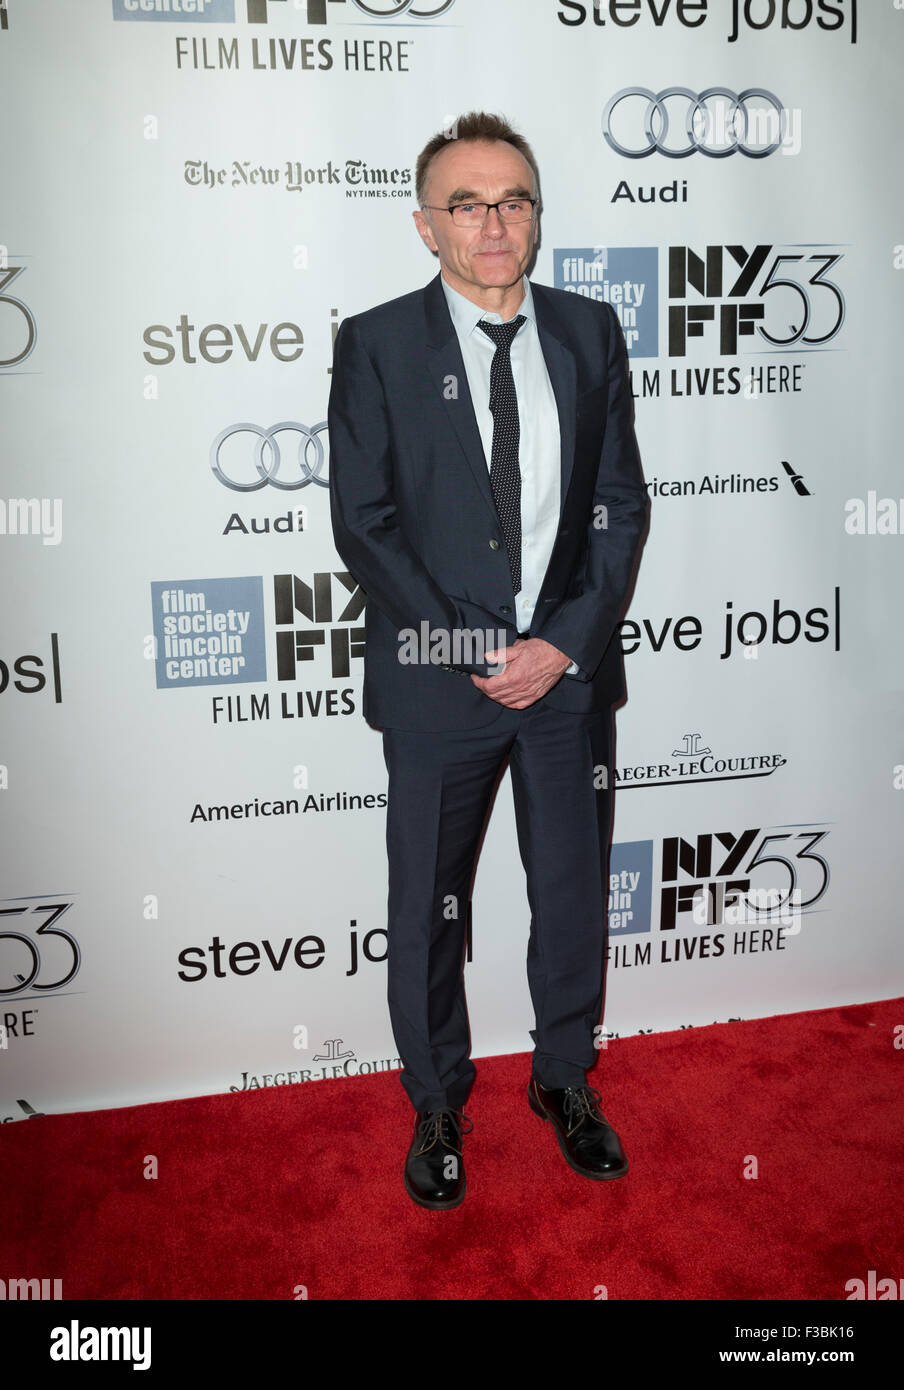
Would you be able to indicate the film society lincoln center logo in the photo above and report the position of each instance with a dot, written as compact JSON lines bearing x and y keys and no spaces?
{"x":209,"y":631}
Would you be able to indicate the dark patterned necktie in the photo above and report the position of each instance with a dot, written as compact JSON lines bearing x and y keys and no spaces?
{"x":505,"y":474}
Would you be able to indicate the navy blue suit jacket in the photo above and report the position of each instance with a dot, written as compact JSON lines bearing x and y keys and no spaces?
{"x":413,"y":513}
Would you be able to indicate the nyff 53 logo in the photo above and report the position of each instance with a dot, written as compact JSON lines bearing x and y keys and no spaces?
{"x":333,"y":601}
{"x":805,"y":307}
{"x":719,"y":878}
{"x":726,"y":873}
{"x":261,"y":11}
{"x":36,"y":953}
{"x":726,"y":298}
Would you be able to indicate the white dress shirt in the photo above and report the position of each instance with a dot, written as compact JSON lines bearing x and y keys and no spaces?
{"x":539,"y":450}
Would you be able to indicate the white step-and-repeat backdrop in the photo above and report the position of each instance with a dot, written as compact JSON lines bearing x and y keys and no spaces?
{"x":194,"y":194}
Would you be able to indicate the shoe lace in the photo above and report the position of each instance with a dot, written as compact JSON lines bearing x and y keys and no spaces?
{"x":445,"y":1126}
{"x":581,"y":1103}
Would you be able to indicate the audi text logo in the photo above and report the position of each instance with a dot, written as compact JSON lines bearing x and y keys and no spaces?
{"x":713,"y":131}
{"x":266,"y":457}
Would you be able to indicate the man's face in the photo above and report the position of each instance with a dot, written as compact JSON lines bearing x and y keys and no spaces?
{"x":492,"y":255}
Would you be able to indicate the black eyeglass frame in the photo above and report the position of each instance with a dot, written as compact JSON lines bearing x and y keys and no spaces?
{"x":534,"y":202}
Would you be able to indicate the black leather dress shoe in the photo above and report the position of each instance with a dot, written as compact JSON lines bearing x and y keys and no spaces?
{"x":434,"y":1168}
{"x":586,"y":1138}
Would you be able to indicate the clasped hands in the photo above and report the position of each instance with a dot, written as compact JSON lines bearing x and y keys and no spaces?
{"x":531,"y":668}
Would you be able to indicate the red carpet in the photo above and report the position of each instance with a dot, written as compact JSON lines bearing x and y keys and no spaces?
{"x":301,"y":1185}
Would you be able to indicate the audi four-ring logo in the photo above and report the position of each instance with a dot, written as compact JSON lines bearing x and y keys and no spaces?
{"x":267,"y":458}
{"x":656,"y":122}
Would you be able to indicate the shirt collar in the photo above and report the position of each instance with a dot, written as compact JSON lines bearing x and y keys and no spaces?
{"x":466,"y":314}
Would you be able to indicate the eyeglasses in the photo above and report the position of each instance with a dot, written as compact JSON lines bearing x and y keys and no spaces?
{"x":475,"y":214}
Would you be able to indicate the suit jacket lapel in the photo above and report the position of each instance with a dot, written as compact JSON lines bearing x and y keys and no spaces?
{"x":444,"y":361}
{"x":563,"y":374}
{"x":446,"y":365}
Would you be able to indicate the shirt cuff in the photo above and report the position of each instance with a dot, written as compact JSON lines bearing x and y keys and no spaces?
{"x":572,"y":670}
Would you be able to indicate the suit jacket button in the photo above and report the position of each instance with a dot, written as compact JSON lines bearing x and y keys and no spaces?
{"x":494,"y":545}
{"x":504,"y":608}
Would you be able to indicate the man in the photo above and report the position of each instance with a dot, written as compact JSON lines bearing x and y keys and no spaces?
{"x":487,"y":495}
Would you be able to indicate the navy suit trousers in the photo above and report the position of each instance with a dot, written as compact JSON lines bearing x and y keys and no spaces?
{"x":440,"y":788}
